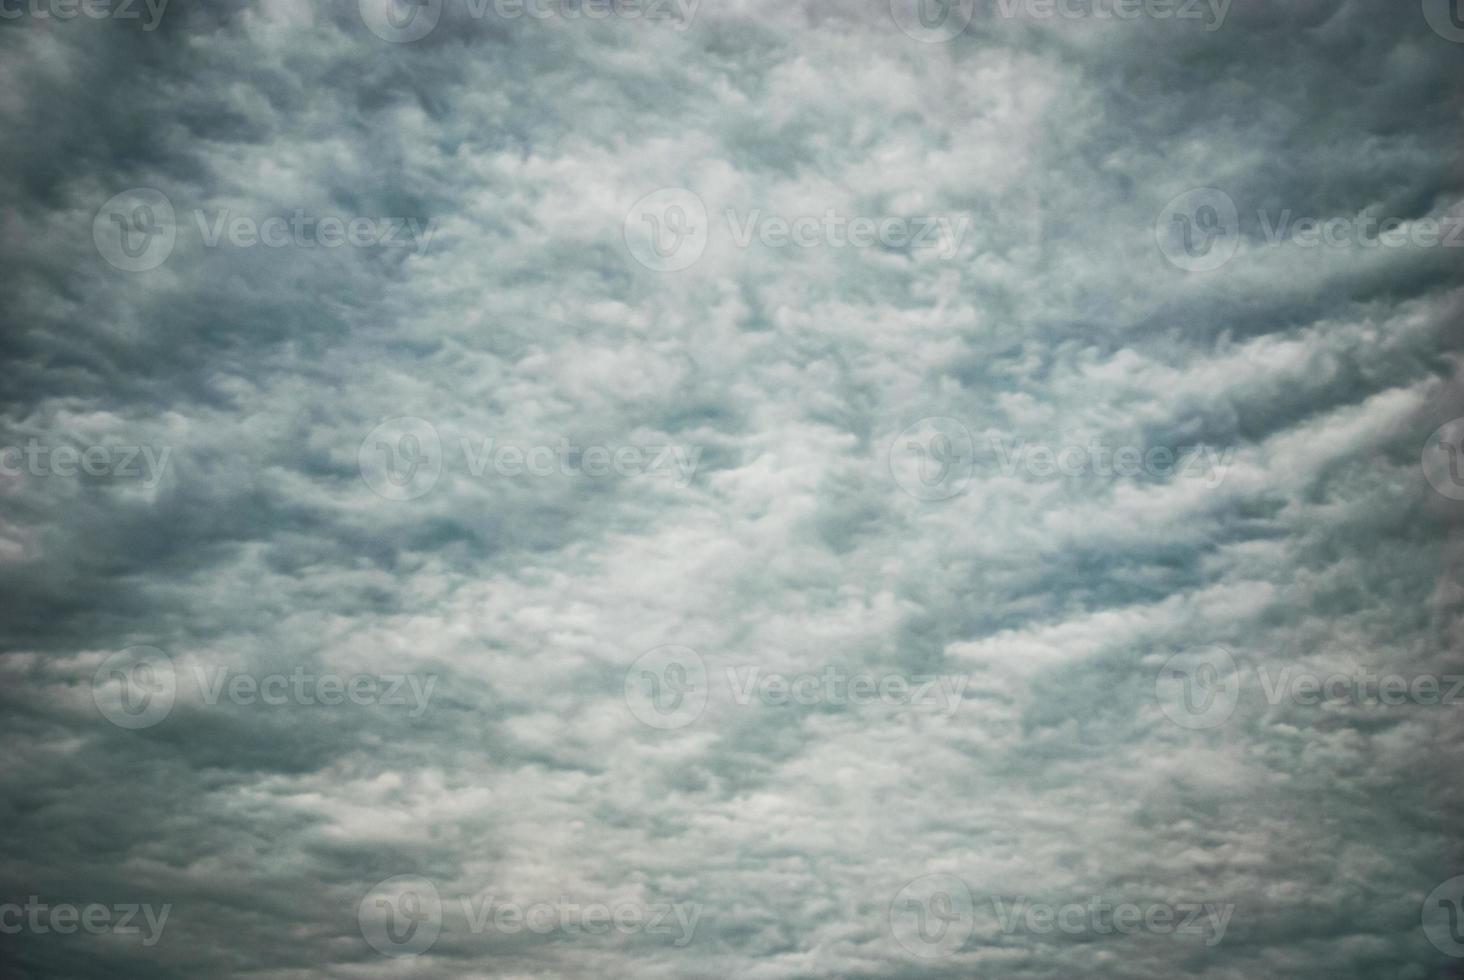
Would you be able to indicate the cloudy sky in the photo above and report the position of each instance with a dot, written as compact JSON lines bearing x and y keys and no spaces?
{"x":732,"y":488}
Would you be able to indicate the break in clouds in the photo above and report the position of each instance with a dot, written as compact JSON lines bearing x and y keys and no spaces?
{"x":730,"y":488}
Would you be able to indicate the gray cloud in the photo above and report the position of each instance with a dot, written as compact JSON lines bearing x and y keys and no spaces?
{"x":293,"y":532}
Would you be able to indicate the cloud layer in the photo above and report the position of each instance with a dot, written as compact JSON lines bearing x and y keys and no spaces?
{"x":689,"y":567}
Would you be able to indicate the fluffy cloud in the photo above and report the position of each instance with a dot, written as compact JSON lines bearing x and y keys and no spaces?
{"x":505,"y":453}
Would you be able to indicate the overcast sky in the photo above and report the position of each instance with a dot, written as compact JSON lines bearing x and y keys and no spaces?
{"x":760,"y":488}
